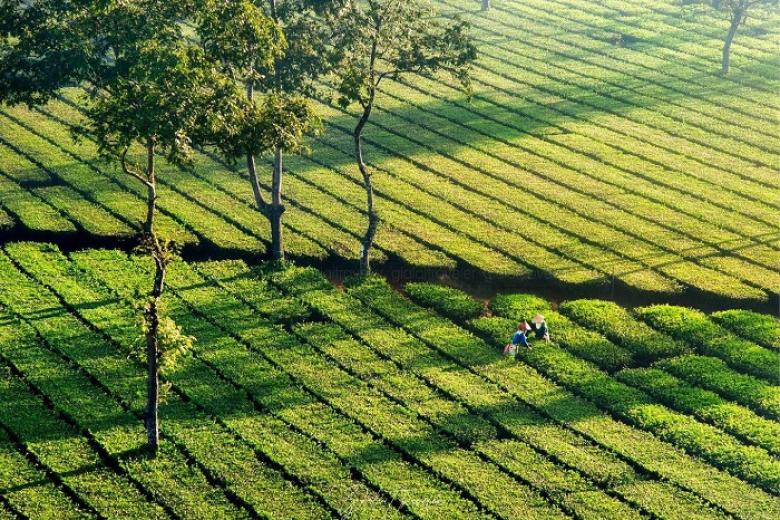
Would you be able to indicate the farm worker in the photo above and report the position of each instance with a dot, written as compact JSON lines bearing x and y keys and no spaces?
{"x":518,"y":339}
{"x":539,"y":327}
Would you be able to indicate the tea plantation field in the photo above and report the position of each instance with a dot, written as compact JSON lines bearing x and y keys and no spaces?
{"x":599,"y":147}
{"x":304,"y":400}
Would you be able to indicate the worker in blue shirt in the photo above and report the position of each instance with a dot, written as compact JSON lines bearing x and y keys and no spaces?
{"x":518,"y":339}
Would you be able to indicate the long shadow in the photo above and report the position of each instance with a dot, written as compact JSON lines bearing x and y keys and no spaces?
{"x":609,"y":102}
{"x":620,"y":94}
{"x":292,"y":201}
{"x":223,"y":214}
{"x":332,"y":263}
{"x":481,"y":284}
{"x":447,"y":133}
{"x":413,"y":446}
{"x":710,"y":21}
{"x":706,"y":67}
{"x":425,"y":167}
{"x":570,"y":108}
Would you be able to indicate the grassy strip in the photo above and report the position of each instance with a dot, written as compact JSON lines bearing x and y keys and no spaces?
{"x":690,"y":205}
{"x":676,"y":36}
{"x":92,"y":218}
{"x":713,"y":374}
{"x":526,"y":384}
{"x":315,"y":468}
{"x":448,"y":302}
{"x":625,"y":113}
{"x":43,"y":135}
{"x":215,"y":451}
{"x":621,"y":327}
{"x":661,"y":131}
{"x":71,"y":457}
{"x":584,"y":343}
{"x":103,"y":190}
{"x":284,"y":398}
{"x":651,"y":46}
{"x":489,"y":138}
{"x":491,"y":400}
{"x":625,"y":62}
{"x":695,"y":329}
{"x":749,"y":463}
{"x":669,"y":154}
{"x":474,"y":476}
{"x":63,"y":451}
{"x":519,"y":307}
{"x":199,"y":191}
{"x":568,"y":489}
{"x":758,"y":328}
{"x":301,"y":460}
{"x":634,"y":260}
{"x":30,"y":210}
{"x":705,"y":405}
{"x":579,"y":496}
{"x":632,"y":250}
{"x":29,"y":490}
{"x":400,"y":207}
{"x":448,"y":203}
{"x":334,"y":223}
{"x":496,"y":78}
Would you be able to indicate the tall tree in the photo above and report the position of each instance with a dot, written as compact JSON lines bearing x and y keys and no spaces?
{"x":167,"y":99}
{"x":147,"y":89}
{"x":736,"y":11}
{"x":278,"y":49}
{"x":389,"y":39}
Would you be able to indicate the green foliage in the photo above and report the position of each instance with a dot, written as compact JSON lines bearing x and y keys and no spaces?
{"x":580,"y":341}
{"x":635,"y":406}
{"x":715,"y":375}
{"x":447,"y":301}
{"x":49,"y":44}
{"x":238,"y":35}
{"x":172,"y":341}
{"x":705,"y":405}
{"x":759,"y":328}
{"x":251,"y":47}
{"x":699,"y":332}
{"x":171,"y":94}
{"x":375,"y":393}
{"x":519,"y":306}
{"x":390,"y":38}
{"x":618,"y":325}
{"x":473,"y":356}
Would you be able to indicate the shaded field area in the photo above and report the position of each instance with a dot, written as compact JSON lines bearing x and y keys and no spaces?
{"x":599,"y":154}
{"x":303,"y":400}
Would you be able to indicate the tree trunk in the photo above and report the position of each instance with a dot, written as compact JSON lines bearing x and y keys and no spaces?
{"x":277,"y":208}
{"x":153,"y":351}
{"x":257,"y":191}
{"x":485,"y":5}
{"x":736,"y":20}
{"x":373,"y":219}
{"x":151,"y":187}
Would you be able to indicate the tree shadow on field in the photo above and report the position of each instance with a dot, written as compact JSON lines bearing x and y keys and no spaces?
{"x":445,"y":128}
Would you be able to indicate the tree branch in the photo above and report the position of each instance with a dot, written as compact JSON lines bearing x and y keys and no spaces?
{"x":131,"y":172}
